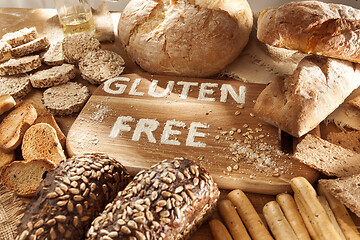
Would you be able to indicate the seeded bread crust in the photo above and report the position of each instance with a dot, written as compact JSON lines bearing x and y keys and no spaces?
{"x":30,"y":47}
{"x":97,"y":67}
{"x":71,"y":196}
{"x":78,"y":45}
{"x":5,"y":51}
{"x":24,"y":177}
{"x":18,"y":86}
{"x":168,"y":201}
{"x":54,"y":55}
{"x":21,"y":36}
{"x":7,"y":102}
{"x":65,"y":99}
{"x":20,"y":65}
{"x":54,"y":76}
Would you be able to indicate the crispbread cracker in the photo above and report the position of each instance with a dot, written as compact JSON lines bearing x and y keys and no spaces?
{"x":20,"y":65}
{"x":349,"y":140}
{"x":30,"y":47}
{"x":21,"y":36}
{"x":346,"y":190}
{"x":18,"y":86}
{"x":327,"y":157}
{"x":53,"y":76}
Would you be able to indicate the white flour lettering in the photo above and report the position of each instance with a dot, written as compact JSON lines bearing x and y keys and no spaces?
{"x":146,"y":126}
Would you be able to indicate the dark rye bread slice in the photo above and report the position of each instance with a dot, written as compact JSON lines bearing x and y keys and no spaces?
{"x":24,"y":177}
{"x":20,"y":37}
{"x":30,"y":47}
{"x":53,"y":76}
{"x":349,"y":140}
{"x":20,"y":65}
{"x":18,"y":86}
{"x":78,"y":45}
{"x":65,"y":99}
{"x":54,"y":56}
{"x":168,"y":201}
{"x":97,"y":67}
{"x":331,"y":159}
{"x":346,"y":190}
{"x":71,"y":196}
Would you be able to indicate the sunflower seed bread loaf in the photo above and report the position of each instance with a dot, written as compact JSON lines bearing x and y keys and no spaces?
{"x":71,"y":196}
{"x":313,"y":27}
{"x":168,"y":201}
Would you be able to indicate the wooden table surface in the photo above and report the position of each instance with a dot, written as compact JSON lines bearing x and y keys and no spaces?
{"x":46,"y":22}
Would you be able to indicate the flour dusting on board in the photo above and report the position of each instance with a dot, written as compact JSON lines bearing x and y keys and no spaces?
{"x":100,"y":113}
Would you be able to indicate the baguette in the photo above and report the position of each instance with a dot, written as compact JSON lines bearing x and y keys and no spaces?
{"x":7,"y":102}
{"x":71,"y":196}
{"x":20,"y":37}
{"x":170,"y":200}
{"x":18,"y":86}
{"x":218,"y":230}
{"x":14,"y":126}
{"x":30,"y":47}
{"x":49,"y":119}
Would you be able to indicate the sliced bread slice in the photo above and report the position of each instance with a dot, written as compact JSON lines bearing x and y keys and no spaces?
{"x":14,"y":125}
{"x":6,"y":158}
{"x":21,"y":36}
{"x":41,"y":142}
{"x":7,"y":102}
{"x":49,"y":119}
{"x":99,"y":66}
{"x":30,"y":47}
{"x":54,"y":56}
{"x":18,"y":86}
{"x":53,"y":76}
{"x":24,"y":177}
{"x":20,"y":65}
{"x":349,"y":140}
{"x":331,"y":159}
{"x":65,"y":99}
{"x":5,"y":51}
{"x":346,"y":190}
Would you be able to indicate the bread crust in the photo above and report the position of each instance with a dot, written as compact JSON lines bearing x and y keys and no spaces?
{"x":186,"y":38}
{"x":313,"y":27}
{"x":297,"y":103}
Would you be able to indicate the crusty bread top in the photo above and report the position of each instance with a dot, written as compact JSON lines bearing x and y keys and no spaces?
{"x":21,"y":36}
{"x":99,"y":66}
{"x":346,"y":190}
{"x":313,"y":27}
{"x":331,"y":159}
{"x":78,"y":45}
{"x":297,"y":103}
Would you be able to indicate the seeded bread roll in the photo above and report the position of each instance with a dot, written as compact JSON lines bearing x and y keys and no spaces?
{"x":18,"y":86}
{"x":65,"y":99}
{"x":71,"y":196}
{"x":20,"y":65}
{"x":78,"y":45}
{"x":97,"y":67}
{"x":168,"y":201}
{"x":30,"y":47}
{"x":53,"y":76}
{"x":21,"y":36}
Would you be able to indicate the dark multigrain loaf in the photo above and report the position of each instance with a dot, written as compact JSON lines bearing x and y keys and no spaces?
{"x":168,"y":201}
{"x":71,"y":196}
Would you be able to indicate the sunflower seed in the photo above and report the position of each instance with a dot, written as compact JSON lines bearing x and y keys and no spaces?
{"x":74,"y":184}
{"x":140,"y":235}
{"x":132,"y":224}
{"x":85,"y":218}
{"x":63,"y":187}
{"x":125,"y":230}
{"x":103,"y":232}
{"x":120,"y":222}
{"x":86,"y":192}
{"x":30,"y":225}
{"x":181,"y":176}
{"x":76,"y":221}
{"x":51,"y":195}
{"x":164,"y":214}
{"x":70,"y":206}
{"x":79,"y":209}
{"x":39,"y":232}
{"x":74,"y":178}
{"x":52,"y":234}
{"x":78,"y":198}
{"x":176,"y":164}
{"x":113,"y":234}
{"x":51,"y":222}
{"x":166,"y":194}
{"x":92,"y":187}
{"x":161,"y":203}
{"x":85,"y":179}
{"x":74,"y":191}
{"x":23,"y":235}
{"x":80,"y":171}
{"x":60,"y":218}
{"x":196,"y":181}
{"x":140,"y":220}
{"x":66,"y":180}
{"x":59,"y":191}
{"x":65,"y":197}
{"x":62,"y":203}
{"x":178,"y":189}
{"x":149,"y":216}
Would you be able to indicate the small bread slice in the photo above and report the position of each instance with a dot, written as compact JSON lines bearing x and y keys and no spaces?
{"x":24,"y":177}
{"x":78,"y":45}
{"x":49,"y":119}
{"x":20,"y":65}
{"x":41,"y":142}
{"x":331,"y":159}
{"x":53,"y":76}
{"x":54,"y":56}
{"x":21,"y":36}
{"x":349,"y":140}
{"x":65,"y":99}
{"x":7,"y":102}
{"x":14,"y":126}
{"x":30,"y":47}
{"x":6,"y":158}
{"x":99,"y":66}
{"x":18,"y":86}
{"x":346,"y":190}
{"x":5,"y":51}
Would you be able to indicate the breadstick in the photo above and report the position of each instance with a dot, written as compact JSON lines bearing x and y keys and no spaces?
{"x":218,"y":230}
{"x":314,"y":210}
{"x":249,"y":215}
{"x":277,"y":222}
{"x":342,"y":216}
{"x":232,"y":220}
{"x":325,"y":204}
{"x":293,"y":216}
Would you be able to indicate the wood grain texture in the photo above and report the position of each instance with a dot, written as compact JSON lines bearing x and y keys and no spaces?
{"x":250,"y":160}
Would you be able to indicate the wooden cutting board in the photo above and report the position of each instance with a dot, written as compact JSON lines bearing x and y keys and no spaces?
{"x":143,"y":119}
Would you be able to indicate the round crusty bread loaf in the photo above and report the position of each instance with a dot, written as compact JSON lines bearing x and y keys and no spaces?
{"x":65,"y":99}
{"x":313,"y":27}
{"x":99,"y":66}
{"x":18,"y":86}
{"x":186,"y":38}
